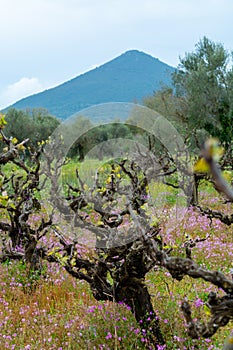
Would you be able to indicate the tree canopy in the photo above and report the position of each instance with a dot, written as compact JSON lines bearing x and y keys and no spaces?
{"x":202,"y":98}
{"x":36,"y":124}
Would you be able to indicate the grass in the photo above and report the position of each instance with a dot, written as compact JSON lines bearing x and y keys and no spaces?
{"x":58,"y":312}
{"x":61,"y":314}
{"x":86,"y":169}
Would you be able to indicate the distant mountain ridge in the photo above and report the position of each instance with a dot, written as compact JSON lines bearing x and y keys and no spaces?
{"x":127,"y":78}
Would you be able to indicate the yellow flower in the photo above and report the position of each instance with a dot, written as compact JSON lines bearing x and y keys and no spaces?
{"x":201,"y":166}
{"x":21,"y":147}
{"x":207,"y":310}
{"x":2,"y":121}
{"x":14,"y":140}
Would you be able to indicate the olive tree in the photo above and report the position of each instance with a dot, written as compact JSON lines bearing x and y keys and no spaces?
{"x":204,"y":79}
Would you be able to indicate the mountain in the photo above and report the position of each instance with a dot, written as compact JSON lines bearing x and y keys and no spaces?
{"x":127,"y":78}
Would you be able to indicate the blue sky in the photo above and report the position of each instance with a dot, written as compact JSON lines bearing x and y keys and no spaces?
{"x":46,"y":42}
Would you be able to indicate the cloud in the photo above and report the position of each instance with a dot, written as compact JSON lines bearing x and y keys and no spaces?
{"x":22,"y":88}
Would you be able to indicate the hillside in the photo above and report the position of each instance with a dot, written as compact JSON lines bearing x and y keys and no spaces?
{"x":127,"y":78}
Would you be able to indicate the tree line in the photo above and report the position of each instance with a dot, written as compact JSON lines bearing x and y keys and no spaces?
{"x":36,"y":124}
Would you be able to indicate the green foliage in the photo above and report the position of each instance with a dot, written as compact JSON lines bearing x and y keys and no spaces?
{"x":201,"y":104}
{"x":171,"y":106}
{"x":97,"y":136}
{"x":35,"y":124}
{"x":2,"y":121}
{"x":85,"y":141}
{"x":204,"y":79}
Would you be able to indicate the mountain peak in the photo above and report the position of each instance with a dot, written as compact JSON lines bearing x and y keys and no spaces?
{"x":127,"y":78}
{"x":138,"y":54}
{"x":134,"y":52}
{"x":134,"y":55}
